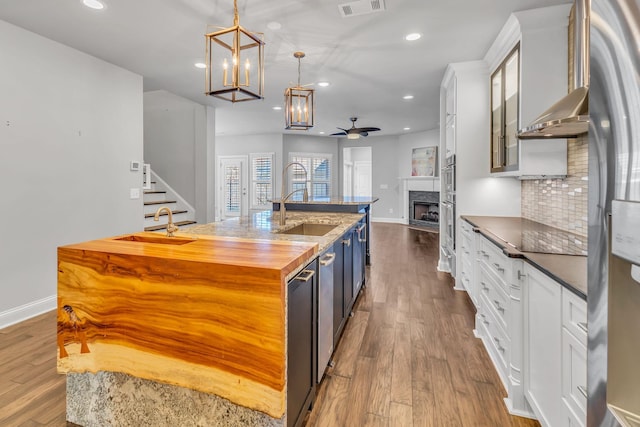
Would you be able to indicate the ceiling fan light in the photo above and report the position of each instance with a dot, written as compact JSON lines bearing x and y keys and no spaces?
{"x":353,"y":136}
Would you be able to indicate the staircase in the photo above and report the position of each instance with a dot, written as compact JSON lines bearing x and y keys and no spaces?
{"x":161,"y":195}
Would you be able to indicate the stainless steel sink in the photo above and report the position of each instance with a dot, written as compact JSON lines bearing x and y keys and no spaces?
{"x":309,"y":229}
{"x":156,"y":238}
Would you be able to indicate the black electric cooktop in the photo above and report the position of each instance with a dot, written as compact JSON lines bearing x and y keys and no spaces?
{"x":530,"y":236}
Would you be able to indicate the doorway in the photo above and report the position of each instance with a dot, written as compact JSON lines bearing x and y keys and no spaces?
{"x":357,"y":172}
{"x":232,"y":193}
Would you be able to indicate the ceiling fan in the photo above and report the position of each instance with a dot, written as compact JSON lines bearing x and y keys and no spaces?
{"x":354,"y":132}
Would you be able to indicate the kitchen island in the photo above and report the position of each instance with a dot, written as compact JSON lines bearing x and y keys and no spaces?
{"x":189,"y":330}
{"x":352,"y":204}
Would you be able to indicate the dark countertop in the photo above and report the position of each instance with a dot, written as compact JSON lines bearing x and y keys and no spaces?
{"x":505,"y":232}
{"x":338,"y":200}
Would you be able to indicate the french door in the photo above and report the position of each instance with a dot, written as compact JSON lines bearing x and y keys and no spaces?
{"x":233,"y":186}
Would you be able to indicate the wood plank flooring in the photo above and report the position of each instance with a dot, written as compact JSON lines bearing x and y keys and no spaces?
{"x":407,"y":358}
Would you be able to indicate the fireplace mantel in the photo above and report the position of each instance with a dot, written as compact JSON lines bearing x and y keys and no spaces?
{"x":416,"y":183}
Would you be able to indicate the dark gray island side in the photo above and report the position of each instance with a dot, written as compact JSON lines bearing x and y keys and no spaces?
{"x":334,"y":204}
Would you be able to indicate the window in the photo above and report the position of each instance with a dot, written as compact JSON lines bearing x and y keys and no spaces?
{"x":261,"y":179}
{"x":318,"y":182}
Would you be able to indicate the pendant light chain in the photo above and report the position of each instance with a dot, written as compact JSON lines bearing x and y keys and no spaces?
{"x":236,"y":19}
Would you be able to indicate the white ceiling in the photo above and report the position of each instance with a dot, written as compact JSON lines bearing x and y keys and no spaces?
{"x":366,"y":59}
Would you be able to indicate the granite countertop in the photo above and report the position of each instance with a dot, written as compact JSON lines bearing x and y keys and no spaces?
{"x":337,"y":200}
{"x":265,"y":225}
{"x":568,"y":268}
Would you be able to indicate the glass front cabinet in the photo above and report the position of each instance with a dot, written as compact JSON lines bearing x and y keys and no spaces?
{"x":505,"y":84}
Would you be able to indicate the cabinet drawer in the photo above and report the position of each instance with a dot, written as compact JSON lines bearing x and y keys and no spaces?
{"x":492,"y":256}
{"x":574,"y":374}
{"x":466,"y":247}
{"x":497,"y":300}
{"x":574,"y":315}
{"x":466,"y":228}
{"x":496,"y":342}
{"x":571,"y":419}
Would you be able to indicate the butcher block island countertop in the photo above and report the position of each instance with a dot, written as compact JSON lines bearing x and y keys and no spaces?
{"x":204,"y":310}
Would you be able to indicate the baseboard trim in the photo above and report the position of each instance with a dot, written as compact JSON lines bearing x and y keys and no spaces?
{"x":518,"y":412}
{"x":27,"y":311}
{"x":391,"y":220}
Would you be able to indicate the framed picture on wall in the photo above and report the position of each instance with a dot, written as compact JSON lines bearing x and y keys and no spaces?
{"x":424,"y":161}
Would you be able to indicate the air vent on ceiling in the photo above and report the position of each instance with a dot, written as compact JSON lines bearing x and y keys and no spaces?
{"x":361,"y":7}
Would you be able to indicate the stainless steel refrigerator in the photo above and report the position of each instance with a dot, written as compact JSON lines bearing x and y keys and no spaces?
{"x":613,"y":354}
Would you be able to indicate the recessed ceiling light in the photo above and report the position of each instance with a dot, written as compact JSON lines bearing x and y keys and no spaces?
{"x":321,"y":133}
{"x":412,"y":37}
{"x":273,"y":25}
{"x":407,"y":128}
{"x":323,"y":84}
{"x":200,"y":65}
{"x":407,"y":97}
{"x":277,"y":108}
{"x":93,"y":4}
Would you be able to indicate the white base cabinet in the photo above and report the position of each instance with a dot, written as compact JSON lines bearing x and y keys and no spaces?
{"x":494,"y":284}
{"x":533,"y":328}
{"x":555,"y":331}
{"x":542,"y":347}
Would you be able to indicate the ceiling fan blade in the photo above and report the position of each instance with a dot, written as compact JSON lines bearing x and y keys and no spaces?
{"x":369,"y":129}
{"x":344,"y":130}
{"x":339,"y":134}
{"x":363,"y":133}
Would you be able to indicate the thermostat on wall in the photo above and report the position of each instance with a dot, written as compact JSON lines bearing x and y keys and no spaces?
{"x":134,"y":165}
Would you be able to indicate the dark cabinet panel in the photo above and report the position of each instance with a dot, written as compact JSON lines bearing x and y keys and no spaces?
{"x":347,"y":270}
{"x":338,"y":291}
{"x":301,"y":343}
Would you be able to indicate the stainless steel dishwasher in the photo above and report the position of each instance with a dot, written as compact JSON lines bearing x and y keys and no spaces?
{"x":325,"y":311}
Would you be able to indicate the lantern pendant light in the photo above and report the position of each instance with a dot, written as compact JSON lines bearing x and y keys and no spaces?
{"x":300,"y":107}
{"x":235,"y":63}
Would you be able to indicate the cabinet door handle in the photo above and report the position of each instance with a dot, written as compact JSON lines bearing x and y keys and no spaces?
{"x":484,"y":286}
{"x":346,"y":242}
{"x":362,"y":239}
{"x":328,"y":259}
{"x":521,"y":275}
{"x":582,"y":390}
{"x":501,"y":348}
{"x":497,"y":266}
{"x":305,"y":275}
{"x":498,"y":305}
{"x":583,"y":326}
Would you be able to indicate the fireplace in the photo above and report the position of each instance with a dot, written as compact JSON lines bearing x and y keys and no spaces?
{"x":424,"y":208}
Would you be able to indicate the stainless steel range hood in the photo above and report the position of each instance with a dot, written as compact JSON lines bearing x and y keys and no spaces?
{"x":569,"y":117}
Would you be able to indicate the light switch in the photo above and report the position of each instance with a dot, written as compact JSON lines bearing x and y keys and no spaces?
{"x":134,"y":193}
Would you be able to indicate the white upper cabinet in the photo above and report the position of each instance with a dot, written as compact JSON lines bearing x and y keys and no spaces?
{"x":450,"y":118}
{"x":528,"y":65}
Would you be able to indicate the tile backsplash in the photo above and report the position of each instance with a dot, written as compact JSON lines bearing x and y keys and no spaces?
{"x":561,"y":203}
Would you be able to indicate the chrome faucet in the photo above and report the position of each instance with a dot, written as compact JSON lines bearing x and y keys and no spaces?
{"x":171,"y":227}
{"x":283,"y":199}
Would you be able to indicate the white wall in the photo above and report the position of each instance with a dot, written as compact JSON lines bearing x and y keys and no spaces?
{"x":406,"y":144}
{"x":71,"y":124}
{"x":385,"y":183}
{"x":171,"y":126}
{"x":179,"y":143}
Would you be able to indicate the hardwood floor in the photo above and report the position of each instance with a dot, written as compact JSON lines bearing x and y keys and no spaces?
{"x":407,"y":358}
{"x":31,"y":391}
